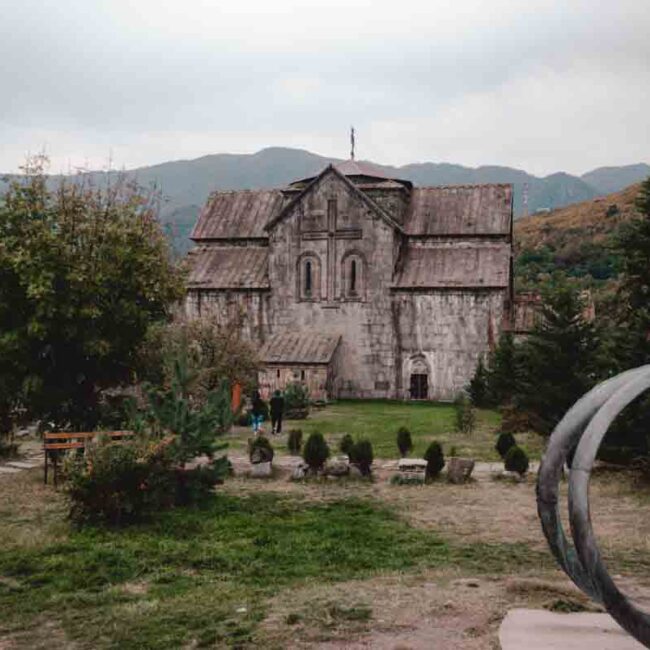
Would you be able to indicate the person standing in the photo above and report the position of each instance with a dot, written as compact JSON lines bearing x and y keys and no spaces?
{"x":257,"y":411}
{"x":277,"y":411}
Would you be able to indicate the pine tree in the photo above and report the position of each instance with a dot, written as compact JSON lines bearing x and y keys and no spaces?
{"x":478,"y":385}
{"x":502,"y":372}
{"x":558,"y":362}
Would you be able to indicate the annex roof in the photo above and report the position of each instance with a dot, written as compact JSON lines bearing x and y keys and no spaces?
{"x":304,"y":347}
{"x":229,"y":267}
{"x":240,"y":214}
{"x":460,"y":210}
{"x":457,"y":266}
{"x":362,"y":170}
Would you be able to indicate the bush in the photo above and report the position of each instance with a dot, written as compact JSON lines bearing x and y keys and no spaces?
{"x":516,"y":460}
{"x":435,"y":460}
{"x":243,"y":419}
{"x":362,"y":456}
{"x":465,"y":414}
{"x":117,"y":483}
{"x":296,"y":401}
{"x":478,"y":385}
{"x":315,"y":451}
{"x":346,"y":444}
{"x":504,"y":442}
{"x":294,"y":441}
{"x":404,"y":441}
{"x":260,"y":450}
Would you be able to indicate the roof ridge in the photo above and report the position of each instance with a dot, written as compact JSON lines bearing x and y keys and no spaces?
{"x":461,"y":186}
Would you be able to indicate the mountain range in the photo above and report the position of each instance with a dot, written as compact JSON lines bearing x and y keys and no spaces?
{"x":186,"y":184}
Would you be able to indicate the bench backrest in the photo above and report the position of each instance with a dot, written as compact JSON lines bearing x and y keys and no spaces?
{"x":77,"y":439}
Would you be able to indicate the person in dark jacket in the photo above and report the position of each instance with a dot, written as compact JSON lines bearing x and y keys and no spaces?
{"x":277,"y":411}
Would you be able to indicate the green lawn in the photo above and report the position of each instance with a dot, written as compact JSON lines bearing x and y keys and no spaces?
{"x":195,"y":578}
{"x":379,"y":420}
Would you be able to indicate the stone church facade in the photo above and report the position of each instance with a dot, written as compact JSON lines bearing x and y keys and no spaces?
{"x":357,"y":284}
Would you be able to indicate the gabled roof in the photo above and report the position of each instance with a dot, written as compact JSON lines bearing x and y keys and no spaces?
{"x":300,"y":347}
{"x":331,"y":169}
{"x":460,"y":210}
{"x":362,"y":170}
{"x":240,"y":214}
{"x":456,"y":266}
{"x":228,"y":267}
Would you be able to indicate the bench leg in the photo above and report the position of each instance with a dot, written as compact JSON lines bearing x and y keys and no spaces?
{"x":45,"y":468}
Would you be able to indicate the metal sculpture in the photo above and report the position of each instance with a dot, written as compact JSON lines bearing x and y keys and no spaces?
{"x":583,"y":428}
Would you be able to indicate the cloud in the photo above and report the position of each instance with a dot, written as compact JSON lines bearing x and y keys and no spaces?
{"x":547,"y":84}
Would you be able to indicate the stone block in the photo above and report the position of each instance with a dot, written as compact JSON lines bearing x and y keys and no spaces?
{"x":261,"y":470}
{"x":337,"y":466}
{"x":459,"y":470}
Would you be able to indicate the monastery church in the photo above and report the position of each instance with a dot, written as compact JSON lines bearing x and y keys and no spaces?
{"x":357,"y":284}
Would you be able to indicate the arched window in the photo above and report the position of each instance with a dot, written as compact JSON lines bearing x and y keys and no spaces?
{"x":308,"y":278}
{"x":353,"y":277}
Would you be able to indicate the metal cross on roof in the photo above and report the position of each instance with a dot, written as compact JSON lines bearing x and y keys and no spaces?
{"x":351,"y":143}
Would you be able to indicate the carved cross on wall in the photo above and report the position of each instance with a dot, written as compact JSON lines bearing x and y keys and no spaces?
{"x":332,"y":234}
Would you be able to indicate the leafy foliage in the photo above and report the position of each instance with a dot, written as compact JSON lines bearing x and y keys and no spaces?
{"x":465,"y":415}
{"x":316,"y":451}
{"x":215,"y":353}
{"x":84,"y":272}
{"x":504,"y":443}
{"x":435,"y":460}
{"x":478,"y":385}
{"x":362,"y":456}
{"x":294,"y":441}
{"x":516,"y":460}
{"x":296,"y":400}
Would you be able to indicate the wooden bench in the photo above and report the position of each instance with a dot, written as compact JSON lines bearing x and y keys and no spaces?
{"x":57,"y":442}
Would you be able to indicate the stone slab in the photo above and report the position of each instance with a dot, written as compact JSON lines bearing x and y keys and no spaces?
{"x":22,"y":464}
{"x":539,"y":629}
{"x":9,"y":470}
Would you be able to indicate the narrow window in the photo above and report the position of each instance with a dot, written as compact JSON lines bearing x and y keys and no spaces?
{"x":308,"y":278}
{"x":278,"y":373}
{"x":353,"y":277}
{"x":302,"y":375}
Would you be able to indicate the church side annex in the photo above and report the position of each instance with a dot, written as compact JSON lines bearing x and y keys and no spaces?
{"x":357,"y":284}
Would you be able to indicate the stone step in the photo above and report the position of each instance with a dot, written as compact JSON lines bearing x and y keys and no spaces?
{"x":9,"y":470}
{"x":20,"y":464}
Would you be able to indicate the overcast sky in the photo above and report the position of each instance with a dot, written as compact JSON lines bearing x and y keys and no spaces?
{"x":542,"y":85}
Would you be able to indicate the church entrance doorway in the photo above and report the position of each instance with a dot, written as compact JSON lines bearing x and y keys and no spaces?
{"x":419,"y":386}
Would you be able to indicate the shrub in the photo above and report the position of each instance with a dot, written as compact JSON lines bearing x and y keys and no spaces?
{"x":516,"y":460}
{"x":362,"y":456}
{"x":435,"y":459}
{"x":346,"y":444}
{"x":404,"y":441}
{"x":243,"y":419}
{"x":296,"y":401}
{"x":465,"y":414}
{"x":294,"y":441}
{"x":504,"y":442}
{"x":120,"y":482}
{"x":260,"y":450}
{"x":478,"y":385}
{"x":315,"y":451}
{"x":453,"y":452}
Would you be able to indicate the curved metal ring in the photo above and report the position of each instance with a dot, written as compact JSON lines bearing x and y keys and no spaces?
{"x":634,"y":620}
{"x":591,"y":415}
{"x":563,"y":439}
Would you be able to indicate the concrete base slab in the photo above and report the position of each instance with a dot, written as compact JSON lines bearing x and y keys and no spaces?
{"x":535,"y":629}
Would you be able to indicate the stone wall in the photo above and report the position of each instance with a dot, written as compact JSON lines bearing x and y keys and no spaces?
{"x":366,"y":361}
{"x":445,"y":331}
{"x":248,"y":310}
{"x":317,"y":378}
